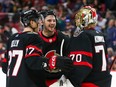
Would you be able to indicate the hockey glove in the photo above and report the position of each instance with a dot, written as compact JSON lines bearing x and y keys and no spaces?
{"x":64,"y":64}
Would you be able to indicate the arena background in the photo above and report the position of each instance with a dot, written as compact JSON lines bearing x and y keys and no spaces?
{"x":65,"y":11}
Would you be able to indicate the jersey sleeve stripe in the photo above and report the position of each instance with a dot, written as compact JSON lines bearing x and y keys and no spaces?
{"x":83,"y":64}
{"x":88,"y":85}
{"x":34,"y":54}
{"x":38,"y":49}
{"x":89,"y":54}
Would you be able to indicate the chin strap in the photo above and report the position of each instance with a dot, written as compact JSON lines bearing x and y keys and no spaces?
{"x":77,"y":31}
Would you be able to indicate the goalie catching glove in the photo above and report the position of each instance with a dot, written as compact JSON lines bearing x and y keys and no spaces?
{"x":58,"y":62}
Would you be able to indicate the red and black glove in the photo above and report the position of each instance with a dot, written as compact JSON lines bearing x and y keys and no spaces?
{"x":64,"y":64}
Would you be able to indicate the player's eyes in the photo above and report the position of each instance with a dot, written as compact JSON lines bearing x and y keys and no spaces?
{"x":51,"y":20}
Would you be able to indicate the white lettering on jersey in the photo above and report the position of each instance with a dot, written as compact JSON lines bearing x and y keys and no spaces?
{"x":14,"y":43}
{"x":99,"y":39}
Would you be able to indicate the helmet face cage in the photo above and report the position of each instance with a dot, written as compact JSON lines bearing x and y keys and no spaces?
{"x":28,"y":15}
{"x":85,"y":17}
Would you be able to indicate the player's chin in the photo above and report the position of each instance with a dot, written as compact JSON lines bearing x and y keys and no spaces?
{"x":51,"y":29}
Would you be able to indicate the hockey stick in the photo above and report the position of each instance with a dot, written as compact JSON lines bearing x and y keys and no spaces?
{"x":112,"y":63}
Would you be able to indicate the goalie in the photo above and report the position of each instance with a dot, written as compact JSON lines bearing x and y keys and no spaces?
{"x":88,"y":51}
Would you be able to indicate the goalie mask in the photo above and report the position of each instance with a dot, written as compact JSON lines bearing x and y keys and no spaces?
{"x":85,"y":17}
{"x":28,"y":15}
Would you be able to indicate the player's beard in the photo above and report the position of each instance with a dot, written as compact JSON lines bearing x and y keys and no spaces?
{"x":50,"y":28}
{"x":48,"y":31}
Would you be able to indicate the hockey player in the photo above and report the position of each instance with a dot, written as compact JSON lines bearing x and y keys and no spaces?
{"x":88,"y":51}
{"x":54,"y":43}
{"x":23,"y":63}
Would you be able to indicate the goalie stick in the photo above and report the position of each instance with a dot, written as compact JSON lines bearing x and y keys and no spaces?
{"x":112,"y":63}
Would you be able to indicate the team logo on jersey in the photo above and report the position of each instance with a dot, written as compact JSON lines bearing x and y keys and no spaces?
{"x":50,"y":40}
{"x":51,"y":53}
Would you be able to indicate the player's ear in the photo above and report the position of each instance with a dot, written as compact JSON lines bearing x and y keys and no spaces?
{"x":41,"y":22}
{"x":30,"y":22}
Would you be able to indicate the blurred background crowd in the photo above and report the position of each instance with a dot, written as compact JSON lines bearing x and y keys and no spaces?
{"x":65,"y":11}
